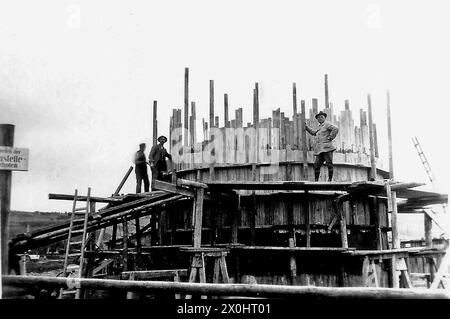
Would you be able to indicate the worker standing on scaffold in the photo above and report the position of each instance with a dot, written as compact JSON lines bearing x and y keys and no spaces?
{"x":324,"y":148}
{"x":157,"y":159}
{"x":141,"y":169}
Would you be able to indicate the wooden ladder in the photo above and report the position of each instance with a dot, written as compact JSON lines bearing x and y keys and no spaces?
{"x":71,"y":250}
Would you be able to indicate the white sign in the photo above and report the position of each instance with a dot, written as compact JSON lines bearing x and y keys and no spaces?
{"x":13,"y":159}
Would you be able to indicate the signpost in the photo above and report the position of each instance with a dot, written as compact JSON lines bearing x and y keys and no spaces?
{"x":11,"y":159}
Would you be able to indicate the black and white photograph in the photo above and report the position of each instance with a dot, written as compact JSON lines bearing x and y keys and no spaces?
{"x":223,"y":156}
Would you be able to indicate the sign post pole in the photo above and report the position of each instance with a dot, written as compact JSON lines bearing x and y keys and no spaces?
{"x":6,"y":139}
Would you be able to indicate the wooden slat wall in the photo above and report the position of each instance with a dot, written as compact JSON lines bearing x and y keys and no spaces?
{"x":281,"y":133}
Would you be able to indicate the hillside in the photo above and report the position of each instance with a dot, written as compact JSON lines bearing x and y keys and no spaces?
{"x":19,"y":221}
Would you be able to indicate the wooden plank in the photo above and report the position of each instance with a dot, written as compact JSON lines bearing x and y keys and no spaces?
{"x":152,"y":274}
{"x":84,"y":198}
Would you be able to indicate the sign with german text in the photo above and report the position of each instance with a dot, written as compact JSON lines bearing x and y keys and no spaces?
{"x":13,"y":159}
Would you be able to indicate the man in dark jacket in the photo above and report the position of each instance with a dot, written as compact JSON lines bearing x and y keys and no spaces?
{"x":141,"y":169}
{"x":324,"y":148}
{"x":157,"y":158}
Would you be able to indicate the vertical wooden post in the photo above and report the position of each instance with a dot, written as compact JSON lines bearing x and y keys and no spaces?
{"x":327,"y":101}
{"x":93,"y":238}
{"x":138,"y":236}
{"x":211,"y":103}
{"x":376,"y":216}
{"x":186,"y":106}
{"x":428,"y":224}
{"x":236,"y":220}
{"x":256,"y":105}
{"x":256,"y":118}
{"x":198,"y":217}
{"x":193,"y":133}
{"x":373,"y":170}
{"x":292,"y":262}
{"x":225,"y":110}
{"x":296,"y":143}
{"x":125,"y":244}
{"x":307,"y":219}
{"x":304,"y":147}
{"x":294,"y":99}
{"x":155,"y":122}
{"x":392,"y":198}
{"x":343,"y":228}
{"x":113,"y":237}
{"x":389,"y":129}
{"x":252,"y":221}
{"x":6,"y":139}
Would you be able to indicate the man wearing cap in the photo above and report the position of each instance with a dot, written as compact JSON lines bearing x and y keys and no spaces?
{"x":141,"y":169}
{"x":324,"y":148}
{"x":157,"y":158}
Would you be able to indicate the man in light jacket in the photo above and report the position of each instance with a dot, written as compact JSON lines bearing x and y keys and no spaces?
{"x":324,"y":148}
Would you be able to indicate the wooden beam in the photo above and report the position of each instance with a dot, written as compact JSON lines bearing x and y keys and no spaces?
{"x":431,"y":214}
{"x":228,"y":289}
{"x":155,"y":122}
{"x":225,"y":110}
{"x":198,"y":218}
{"x":443,"y":269}
{"x":304,"y":146}
{"x":389,"y":129}
{"x":125,"y":244}
{"x":211,"y":103}
{"x":124,"y":179}
{"x":152,"y":274}
{"x":185,"y":182}
{"x":236,"y":220}
{"x":171,"y":188}
{"x":307,"y":219}
{"x":373,"y":170}
{"x":292,"y":262}
{"x":428,"y":224}
{"x":342,"y":220}
{"x":84,"y":198}
{"x":186,"y":107}
{"x":138,"y":236}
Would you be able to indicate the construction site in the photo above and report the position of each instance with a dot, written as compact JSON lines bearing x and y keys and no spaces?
{"x":240,"y":214}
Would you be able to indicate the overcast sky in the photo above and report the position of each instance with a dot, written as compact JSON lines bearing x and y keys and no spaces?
{"x":77,"y":78}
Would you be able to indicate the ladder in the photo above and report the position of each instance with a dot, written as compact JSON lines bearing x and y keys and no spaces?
{"x":426,"y":165}
{"x":76,"y":248}
{"x":424,"y":160}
